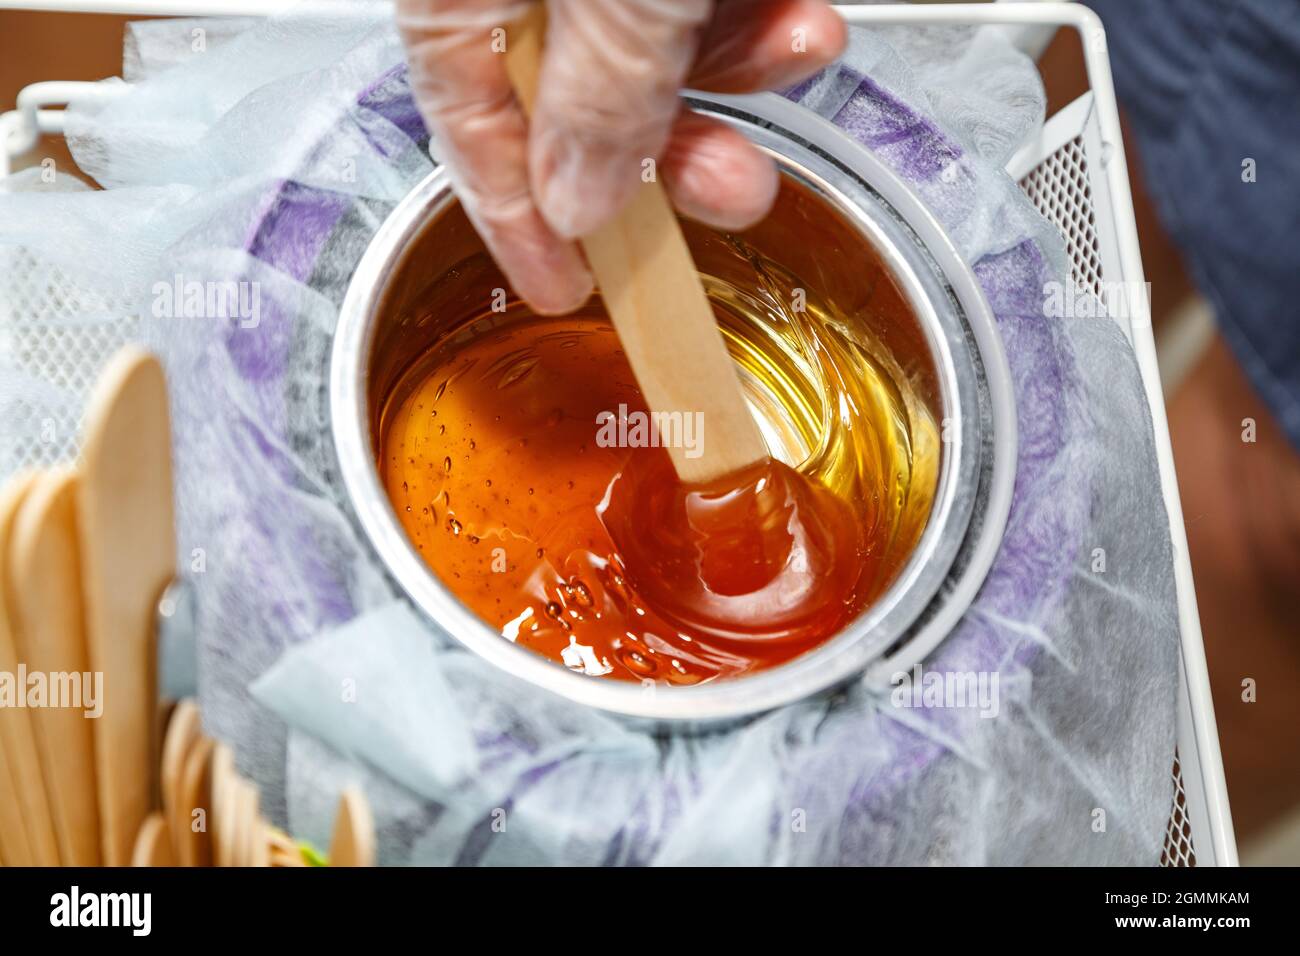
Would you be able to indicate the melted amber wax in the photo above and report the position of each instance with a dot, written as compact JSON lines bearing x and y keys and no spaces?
{"x":595,"y":555}
{"x":766,"y":561}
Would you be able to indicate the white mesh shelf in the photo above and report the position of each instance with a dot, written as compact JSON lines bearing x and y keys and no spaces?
{"x":1059,"y":186}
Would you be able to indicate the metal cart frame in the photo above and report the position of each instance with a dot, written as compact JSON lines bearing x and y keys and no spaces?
{"x":1074,"y":170}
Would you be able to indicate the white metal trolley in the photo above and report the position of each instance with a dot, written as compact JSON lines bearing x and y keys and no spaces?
{"x":1074,"y":170}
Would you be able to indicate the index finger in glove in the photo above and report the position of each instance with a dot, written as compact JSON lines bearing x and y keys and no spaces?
{"x":608,"y":96}
{"x":459,"y":80}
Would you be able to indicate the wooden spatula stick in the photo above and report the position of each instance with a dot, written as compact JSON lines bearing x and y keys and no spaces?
{"x":656,"y":300}
{"x":26,"y":829}
{"x":25,"y":813}
{"x":128,"y":553}
{"x":353,"y":842}
{"x":45,"y":586}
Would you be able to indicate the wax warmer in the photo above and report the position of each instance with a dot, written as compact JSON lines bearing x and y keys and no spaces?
{"x":843,"y":223}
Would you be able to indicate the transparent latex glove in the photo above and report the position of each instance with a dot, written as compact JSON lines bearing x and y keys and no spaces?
{"x":607,"y":100}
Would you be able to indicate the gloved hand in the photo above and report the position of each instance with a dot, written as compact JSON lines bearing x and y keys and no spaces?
{"x":607,"y":100}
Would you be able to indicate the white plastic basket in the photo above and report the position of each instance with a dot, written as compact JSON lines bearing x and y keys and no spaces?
{"x":1074,"y":170}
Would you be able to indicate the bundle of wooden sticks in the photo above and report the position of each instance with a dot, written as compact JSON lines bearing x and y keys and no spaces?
{"x":87,"y":776}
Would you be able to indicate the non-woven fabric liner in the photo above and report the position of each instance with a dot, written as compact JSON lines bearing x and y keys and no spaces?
{"x":270,"y":157}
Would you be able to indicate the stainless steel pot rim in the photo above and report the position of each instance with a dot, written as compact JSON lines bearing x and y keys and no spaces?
{"x":998,"y":483}
{"x":853,"y":180}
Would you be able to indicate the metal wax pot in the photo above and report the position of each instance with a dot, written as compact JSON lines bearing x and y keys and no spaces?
{"x":426,"y":264}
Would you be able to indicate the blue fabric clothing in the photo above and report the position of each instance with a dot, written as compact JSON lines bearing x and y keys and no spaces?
{"x":1212,"y":88}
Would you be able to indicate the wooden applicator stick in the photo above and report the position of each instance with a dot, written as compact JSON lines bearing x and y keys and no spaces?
{"x":656,"y":300}
{"x":128,"y":555}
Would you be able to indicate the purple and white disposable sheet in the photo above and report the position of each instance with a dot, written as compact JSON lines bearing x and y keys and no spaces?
{"x":270,"y":156}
